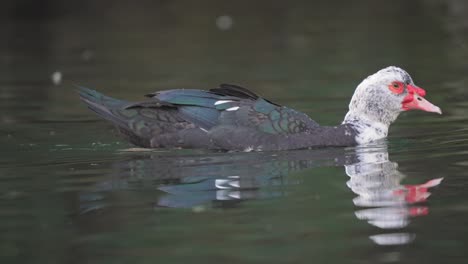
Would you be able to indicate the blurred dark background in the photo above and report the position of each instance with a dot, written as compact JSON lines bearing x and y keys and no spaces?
{"x":151,"y":39}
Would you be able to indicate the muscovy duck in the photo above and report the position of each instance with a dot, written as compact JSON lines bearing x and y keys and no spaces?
{"x":230,"y":117}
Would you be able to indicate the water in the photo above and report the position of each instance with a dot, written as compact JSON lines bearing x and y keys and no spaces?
{"x":72,"y":192}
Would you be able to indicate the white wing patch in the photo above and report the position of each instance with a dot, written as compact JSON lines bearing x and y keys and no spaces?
{"x":222,"y":102}
{"x":232,"y":108}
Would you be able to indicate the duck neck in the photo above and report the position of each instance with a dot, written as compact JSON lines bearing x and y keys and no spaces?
{"x":367,"y":129}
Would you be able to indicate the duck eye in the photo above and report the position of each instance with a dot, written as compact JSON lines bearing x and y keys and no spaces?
{"x":396,"y":87}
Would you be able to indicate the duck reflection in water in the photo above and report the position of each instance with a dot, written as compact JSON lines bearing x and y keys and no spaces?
{"x":224,"y":180}
{"x":384,"y":202}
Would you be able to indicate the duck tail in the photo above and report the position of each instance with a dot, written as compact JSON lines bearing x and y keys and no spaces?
{"x":104,"y":106}
{"x":115,"y":111}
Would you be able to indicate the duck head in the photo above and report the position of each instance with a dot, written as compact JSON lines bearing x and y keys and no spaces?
{"x":380,"y":98}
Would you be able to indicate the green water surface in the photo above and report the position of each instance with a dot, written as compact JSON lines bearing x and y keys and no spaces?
{"x":71,"y":191}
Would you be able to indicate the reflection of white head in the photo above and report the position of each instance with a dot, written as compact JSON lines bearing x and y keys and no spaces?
{"x":374,"y":177}
{"x":376,"y":181}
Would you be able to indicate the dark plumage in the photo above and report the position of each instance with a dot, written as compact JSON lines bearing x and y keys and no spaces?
{"x":192,"y":119}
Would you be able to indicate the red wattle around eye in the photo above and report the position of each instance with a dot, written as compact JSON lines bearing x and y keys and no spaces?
{"x":396,"y":87}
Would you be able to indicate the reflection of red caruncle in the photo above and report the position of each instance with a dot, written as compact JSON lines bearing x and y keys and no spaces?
{"x":418,"y":211}
{"x":417,"y":193}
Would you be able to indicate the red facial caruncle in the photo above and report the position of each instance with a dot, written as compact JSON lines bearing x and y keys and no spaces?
{"x":414,"y":98}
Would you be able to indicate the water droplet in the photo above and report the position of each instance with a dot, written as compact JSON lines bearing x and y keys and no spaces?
{"x":56,"y":77}
{"x":224,"y":22}
{"x":87,"y":55}
{"x":198,"y":209}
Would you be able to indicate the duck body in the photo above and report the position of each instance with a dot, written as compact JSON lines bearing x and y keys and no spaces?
{"x":231,"y":117}
{"x":228,"y":117}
